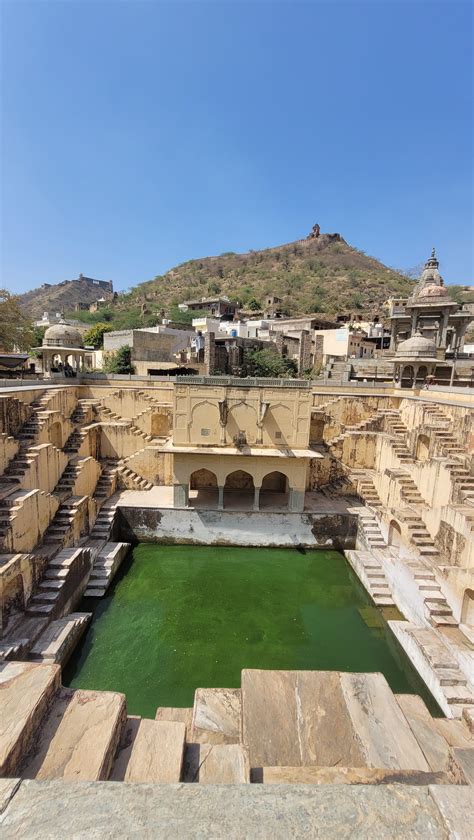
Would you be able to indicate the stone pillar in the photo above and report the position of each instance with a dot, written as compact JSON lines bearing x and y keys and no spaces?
{"x":210,"y":353}
{"x":393,"y":335}
{"x":220,"y":498}
{"x":279,"y":343}
{"x":304,"y":359}
{"x":414,"y":319}
{"x":180,"y":495}
{"x":296,"y":500}
{"x":444,"y":329}
{"x":415,"y":375}
{"x":256,"y":498}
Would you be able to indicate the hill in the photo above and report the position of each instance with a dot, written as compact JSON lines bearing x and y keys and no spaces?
{"x":63,"y":296}
{"x":321,"y":273}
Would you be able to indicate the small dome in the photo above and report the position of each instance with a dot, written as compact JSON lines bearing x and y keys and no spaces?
{"x":433,"y":291}
{"x":62,"y":335}
{"x":417,"y":345}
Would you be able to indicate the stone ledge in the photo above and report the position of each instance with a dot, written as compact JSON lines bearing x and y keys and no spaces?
{"x":110,"y":809}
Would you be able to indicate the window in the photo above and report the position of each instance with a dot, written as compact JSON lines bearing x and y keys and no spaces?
{"x":278,"y":435}
{"x":205,"y":432}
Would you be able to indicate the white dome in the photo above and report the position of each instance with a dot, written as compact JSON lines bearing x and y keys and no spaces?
{"x":62,"y":335}
{"x":417,"y":346}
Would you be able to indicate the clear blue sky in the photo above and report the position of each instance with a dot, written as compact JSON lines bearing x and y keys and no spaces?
{"x":138,"y":135}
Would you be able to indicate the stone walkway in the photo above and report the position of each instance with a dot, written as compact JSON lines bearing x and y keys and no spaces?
{"x":276,"y":812}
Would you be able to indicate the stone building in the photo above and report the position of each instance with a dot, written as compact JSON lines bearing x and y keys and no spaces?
{"x":430,"y":312}
{"x":155,"y":350}
{"x":62,"y":349}
{"x":241,"y":446}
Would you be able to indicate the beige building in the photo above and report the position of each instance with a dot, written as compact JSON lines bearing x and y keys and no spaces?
{"x":240,"y":446}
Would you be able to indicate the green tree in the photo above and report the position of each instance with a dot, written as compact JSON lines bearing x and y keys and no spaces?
{"x":268,"y":362}
{"x":120,"y":361}
{"x":95,"y":336}
{"x":254,"y":305}
{"x":16,"y":331}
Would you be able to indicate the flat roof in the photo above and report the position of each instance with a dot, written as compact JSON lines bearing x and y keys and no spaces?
{"x":233,"y":450}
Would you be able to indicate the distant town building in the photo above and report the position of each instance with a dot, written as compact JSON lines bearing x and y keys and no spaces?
{"x":220,"y":307}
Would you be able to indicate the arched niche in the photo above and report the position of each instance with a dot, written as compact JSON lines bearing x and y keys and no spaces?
{"x":422,"y":448}
{"x":274,"y":491}
{"x":394,"y":533}
{"x":239,"y":490}
{"x":203,"y":492}
{"x":467,"y":610}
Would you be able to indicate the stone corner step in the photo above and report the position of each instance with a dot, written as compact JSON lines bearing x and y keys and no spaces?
{"x":79,"y":737}
{"x":152,"y":752}
{"x":27,"y":690}
{"x":348,"y":776}
{"x":216,"y":716}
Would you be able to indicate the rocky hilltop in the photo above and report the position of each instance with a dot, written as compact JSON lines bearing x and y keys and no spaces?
{"x":320,"y":273}
{"x":64,"y":296}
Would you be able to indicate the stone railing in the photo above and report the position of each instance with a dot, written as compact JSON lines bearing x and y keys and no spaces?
{"x":249,"y":382}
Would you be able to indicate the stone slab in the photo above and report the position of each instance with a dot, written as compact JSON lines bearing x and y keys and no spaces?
{"x":273,"y":812}
{"x":349,"y":776}
{"x":456,"y":806}
{"x":433,"y":745}
{"x":380,"y":724}
{"x":124,"y":749}
{"x":26,"y":691}
{"x":80,"y":736}
{"x":465,"y":759}
{"x":223,"y":764}
{"x":216,"y":716}
{"x":184,"y":715}
{"x":8,"y":788}
{"x":455,"y":732}
{"x":325,"y":718}
{"x":157,"y":752}
{"x":293,"y":718}
{"x":57,"y":642}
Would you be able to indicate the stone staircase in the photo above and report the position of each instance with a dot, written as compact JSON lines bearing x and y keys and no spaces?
{"x":273,"y":729}
{"x":56,"y":643}
{"x":131,"y":480}
{"x":60,"y":529}
{"x":462,"y":482}
{"x":107,"y":483}
{"x":370,"y":572}
{"x":452,"y":689}
{"x":105,"y":566}
{"x":436,"y":608}
{"x":65,"y":577}
{"x":401,"y":451}
{"x":104,"y":523}
{"x":68,"y":478}
{"x":419,"y":535}
{"x":366,"y":489}
{"x":75,"y":441}
{"x":409,"y":492}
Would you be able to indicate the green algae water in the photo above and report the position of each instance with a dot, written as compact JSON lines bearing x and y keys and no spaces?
{"x":181,"y":617}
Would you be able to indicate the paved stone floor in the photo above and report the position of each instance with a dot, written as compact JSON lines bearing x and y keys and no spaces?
{"x":162,"y":497}
{"x":112,"y":809}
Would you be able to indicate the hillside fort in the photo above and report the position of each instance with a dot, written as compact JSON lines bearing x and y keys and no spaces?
{"x":238,"y":600}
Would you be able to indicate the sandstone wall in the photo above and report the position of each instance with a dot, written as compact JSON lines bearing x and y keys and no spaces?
{"x":47,"y":463}
{"x":155,"y":466}
{"x":32,"y":513}
{"x":8,"y":449}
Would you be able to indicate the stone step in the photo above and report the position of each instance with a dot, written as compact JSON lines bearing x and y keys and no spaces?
{"x":27,"y":690}
{"x":59,"y":639}
{"x":324,"y":718}
{"x":79,"y":737}
{"x":311,"y":775}
{"x":455,"y":732}
{"x":152,"y":752}
{"x":459,"y":694}
{"x":434,"y":746}
{"x":451,"y":677}
{"x":176,"y":714}
{"x":39,"y":609}
{"x":223,"y":764}
{"x":216,"y":716}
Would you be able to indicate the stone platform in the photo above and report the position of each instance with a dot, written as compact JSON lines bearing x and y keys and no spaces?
{"x":75,"y":810}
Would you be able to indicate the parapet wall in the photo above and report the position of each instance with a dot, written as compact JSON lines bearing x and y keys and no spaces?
{"x":207,"y":527}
